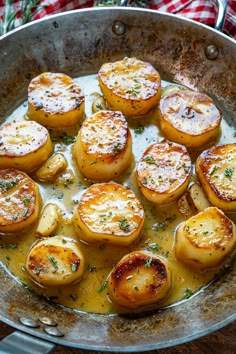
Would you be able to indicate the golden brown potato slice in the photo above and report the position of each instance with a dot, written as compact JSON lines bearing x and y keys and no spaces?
{"x":20,"y":201}
{"x":103,"y":149}
{"x":139,"y":280}
{"x":55,"y":100}
{"x":24,"y":145}
{"x":216,"y":170}
{"x":205,"y":240}
{"x":109,"y":212}
{"x":131,"y":86}
{"x":163,"y":172}
{"x":55,"y":261}
{"x":189,"y":118}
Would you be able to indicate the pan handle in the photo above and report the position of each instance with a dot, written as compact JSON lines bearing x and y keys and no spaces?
{"x":22,"y":343}
{"x":221,"y":8}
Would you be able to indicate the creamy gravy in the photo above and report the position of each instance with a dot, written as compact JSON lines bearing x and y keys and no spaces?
{"x":89,"y":294}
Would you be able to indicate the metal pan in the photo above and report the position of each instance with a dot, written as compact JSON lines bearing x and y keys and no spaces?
{"x":78,"y":43}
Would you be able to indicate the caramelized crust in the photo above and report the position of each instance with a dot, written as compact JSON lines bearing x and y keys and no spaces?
{"x":130,"y":86}
{"x":103,"y":149}
{"x":217,"y":173}
{"x":206,"y":239}
{"x":163,"y":173}
{"x":189,"y":118}
{"x":109,"y":212}
{"x":138,"y":280}
{"x":55,"y":261}
{"x":20,"y":201}
{"x":55,"y":100}
{"x":24,"y":145}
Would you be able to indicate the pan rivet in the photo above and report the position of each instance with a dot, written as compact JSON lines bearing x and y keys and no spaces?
{"x":53,"y":331}
{"x":48,"y":321}
{"x":211,"y":52}
{"x":29,"y":322}
{"x":119,"y":28}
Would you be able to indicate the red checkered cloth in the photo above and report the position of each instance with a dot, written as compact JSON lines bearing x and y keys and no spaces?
{"x":199,"y":10}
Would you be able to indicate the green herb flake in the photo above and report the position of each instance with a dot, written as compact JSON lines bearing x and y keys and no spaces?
{"x":154,"y":247}
{"x":205,"y":232}
{"x":139,"y":129}
{"x":15,"y":216}
{"x":13,"y":246}
{"x":92,"y":163}
{"x":38,"y":270}
{"x":73,"y":267}
{"x":104,"y":285}
{"x":67,"y":140}
{"x":148,"y":263}
{"x":228,"y":172}
{"x":53,"y":261}
{"x":150,"y":160}
{"x":26,"y":201}
{"x":25,"y":212}
{"x":124,"y":225}
{"x":212,"y":171}
{"x":188,"y":293}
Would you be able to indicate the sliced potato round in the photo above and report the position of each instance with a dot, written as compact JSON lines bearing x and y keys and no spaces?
{"x":55,"y":100}
{"x":131,"y":86}
{"x":109,"y":212}
{"x":20,"y":201}
{"x":139,"y":280}
{"x":205,"y":240}
{"x":163,"y":172}
{"x":55,"y":261}
{"x":24,"y":145}
{"x":188,"y":117}
{"x":103,"y":149}
{"x":216,"y":170}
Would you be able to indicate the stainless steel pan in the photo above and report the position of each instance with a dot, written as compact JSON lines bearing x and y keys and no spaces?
{"x":78,"y":43}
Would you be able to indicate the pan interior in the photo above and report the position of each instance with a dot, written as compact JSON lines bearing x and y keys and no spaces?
{"x":78,"y":43}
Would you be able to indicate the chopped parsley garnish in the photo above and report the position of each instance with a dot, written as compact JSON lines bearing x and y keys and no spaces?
{"x":25,"y":212}
{"x":26,"y":201}
{"x":212,"y":170}
{"x":92,"y":163}
{"x":188,"y":293}
{"x":53,"y":261}
{"x":73,"y":267}
{"x":103,"y":287}
{"x":6,"y":186}
{"x":228,"y":172}
{"x":139,"y":129}
{"x":148,"y":263}
{"x":149,"y":159}
{"x":67,"y":140}
{"x":154,"y":247}
{"x":124,"y":225}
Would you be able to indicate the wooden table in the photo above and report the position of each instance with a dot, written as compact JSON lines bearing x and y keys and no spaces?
{"x":220,"y":342}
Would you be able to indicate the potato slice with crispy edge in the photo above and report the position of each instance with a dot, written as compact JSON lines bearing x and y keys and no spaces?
{"x":103,"y":148}
{"x":131,"y":86}
{"x":188,"y":117}
{"x":163,"y":172}
{"x":138,"y":280}
{"x":55,"y":100}
{"x":20,"y":201}
{"x":110,"y":213}
{"x":216,"y":170}
{"x":24,"y":145}
{"x":205,"y":240}
{"x":55,"y":261}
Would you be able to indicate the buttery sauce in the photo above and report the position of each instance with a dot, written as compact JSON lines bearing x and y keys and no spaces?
{"x":90,"y":294}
